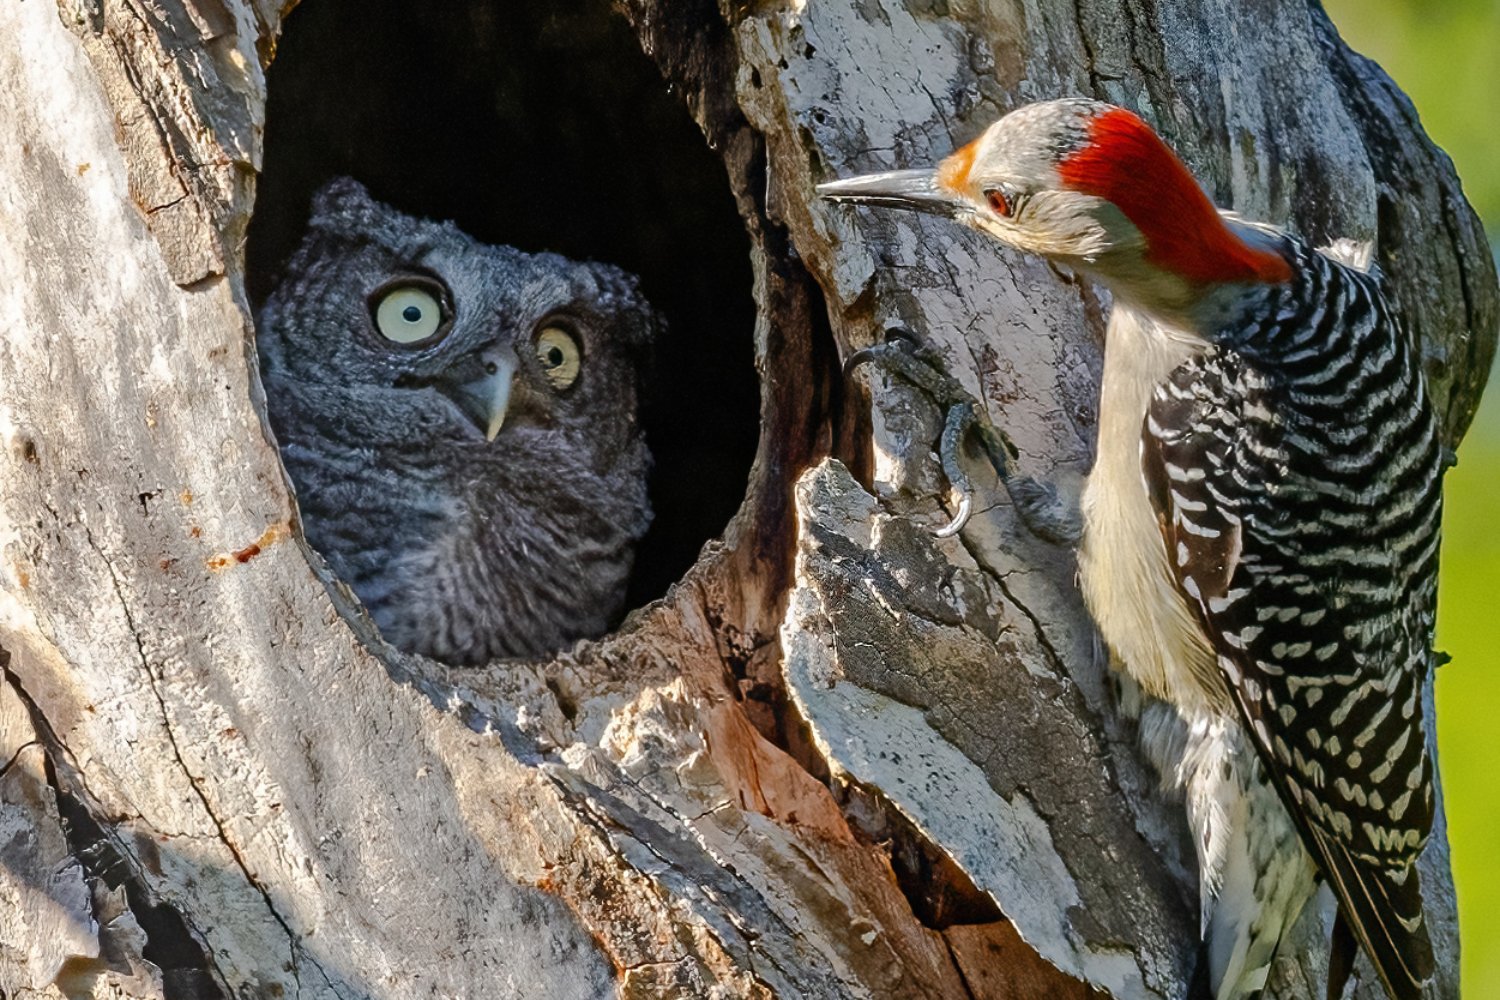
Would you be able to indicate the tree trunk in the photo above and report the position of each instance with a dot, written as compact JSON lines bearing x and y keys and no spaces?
{"x":841,"y":757}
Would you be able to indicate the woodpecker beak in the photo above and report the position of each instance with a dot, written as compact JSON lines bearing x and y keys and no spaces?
{"x":485,"y":399}
{"x":916,"y":190}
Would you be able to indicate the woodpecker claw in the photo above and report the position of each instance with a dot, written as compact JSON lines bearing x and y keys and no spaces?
{"x":901,"y":335}
{"x":903,"y":355}
{"x":1064,"y":275}
{"x":863,"y":356}
{"x":896,"y":338}
{"x":960,"y":420}
{"x":953,"y":527}
{"x":1036,"y":502}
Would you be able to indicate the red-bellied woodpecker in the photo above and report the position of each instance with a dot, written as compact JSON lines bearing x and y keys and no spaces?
{"x":1259,"y":532}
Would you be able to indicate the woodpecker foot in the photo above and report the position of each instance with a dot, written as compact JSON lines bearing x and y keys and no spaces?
{"x":1047,"y":515}
{"x":1036,"y":502}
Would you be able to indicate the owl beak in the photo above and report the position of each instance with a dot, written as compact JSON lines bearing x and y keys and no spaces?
{"x":495,"y":390}
{"x":486,"y":399}
{"x":498,"y":388}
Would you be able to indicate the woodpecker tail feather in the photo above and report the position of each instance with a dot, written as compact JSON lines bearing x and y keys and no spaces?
{"x":1200,"y":987}
{"x":1342,"y":949}
{"x":1383,"y":909}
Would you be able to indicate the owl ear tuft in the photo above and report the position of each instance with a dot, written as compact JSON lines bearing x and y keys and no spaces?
{"x":640,"y":326}
{"x":641,"y":330}
{"x":340,"y":202}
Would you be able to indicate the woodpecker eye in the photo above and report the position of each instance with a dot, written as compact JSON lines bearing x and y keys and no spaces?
{"x":409,"y":313}
{"x":559,"y":356}
{"x":999,"y":204}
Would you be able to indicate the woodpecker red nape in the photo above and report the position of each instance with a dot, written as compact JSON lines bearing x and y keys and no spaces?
{"x":1127,"y":163}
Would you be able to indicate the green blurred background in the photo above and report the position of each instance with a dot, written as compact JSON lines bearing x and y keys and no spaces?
{"x":1446,"y":55}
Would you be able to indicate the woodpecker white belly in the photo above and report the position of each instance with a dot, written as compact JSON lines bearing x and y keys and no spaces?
{"x":1124,"y":571}
{"x":1260,"y":529}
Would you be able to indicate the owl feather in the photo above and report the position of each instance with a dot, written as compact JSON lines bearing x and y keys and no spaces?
{"x":459,"y":423}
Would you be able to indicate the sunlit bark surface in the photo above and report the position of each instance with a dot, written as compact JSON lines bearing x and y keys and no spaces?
{"x":841,"y":758}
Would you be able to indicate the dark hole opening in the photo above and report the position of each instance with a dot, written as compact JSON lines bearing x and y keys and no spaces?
{"x":540,"y":125}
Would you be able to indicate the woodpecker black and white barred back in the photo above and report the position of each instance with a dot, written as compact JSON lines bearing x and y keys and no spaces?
{"x":1260,"y":529}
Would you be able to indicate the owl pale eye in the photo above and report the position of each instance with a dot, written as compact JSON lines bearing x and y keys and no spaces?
{"x":408,"y":314}
{"x":559,"y":356}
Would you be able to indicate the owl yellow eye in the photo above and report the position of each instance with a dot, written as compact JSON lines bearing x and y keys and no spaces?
{"x":407,"y":315}
{"x":559,"y":356}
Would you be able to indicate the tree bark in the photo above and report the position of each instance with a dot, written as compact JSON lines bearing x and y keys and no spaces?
{"x":841,"y":758}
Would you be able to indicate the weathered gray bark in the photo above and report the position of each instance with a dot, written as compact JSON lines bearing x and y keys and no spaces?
{"x":214,"y":784}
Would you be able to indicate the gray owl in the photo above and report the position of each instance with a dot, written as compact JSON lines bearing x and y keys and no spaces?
{"x":459,"y":422}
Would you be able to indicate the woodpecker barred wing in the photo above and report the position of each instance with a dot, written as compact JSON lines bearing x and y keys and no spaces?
{"x":1296,"y":471}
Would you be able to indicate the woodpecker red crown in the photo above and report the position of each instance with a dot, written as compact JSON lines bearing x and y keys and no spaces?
{"x":1124,"y":162}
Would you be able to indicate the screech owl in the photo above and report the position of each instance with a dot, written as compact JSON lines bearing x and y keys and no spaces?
{"x":459,"y":423}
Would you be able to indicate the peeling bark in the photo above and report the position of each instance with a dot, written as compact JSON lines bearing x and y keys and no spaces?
{"x":840,"y":758}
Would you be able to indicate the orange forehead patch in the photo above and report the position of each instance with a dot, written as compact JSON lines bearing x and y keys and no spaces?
{"x":953,"y":172}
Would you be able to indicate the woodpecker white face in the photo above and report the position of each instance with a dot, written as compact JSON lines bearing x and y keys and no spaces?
{"x":1090,"y":186}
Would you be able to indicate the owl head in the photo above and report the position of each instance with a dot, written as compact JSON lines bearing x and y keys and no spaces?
{"x":459,"y":422}
{"x":412,"y":332}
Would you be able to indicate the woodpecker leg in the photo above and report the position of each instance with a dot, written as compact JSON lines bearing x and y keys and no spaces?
{"x":1046,"y":514}
{"x":1036,"y":502}
{"x":904,"y":355}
